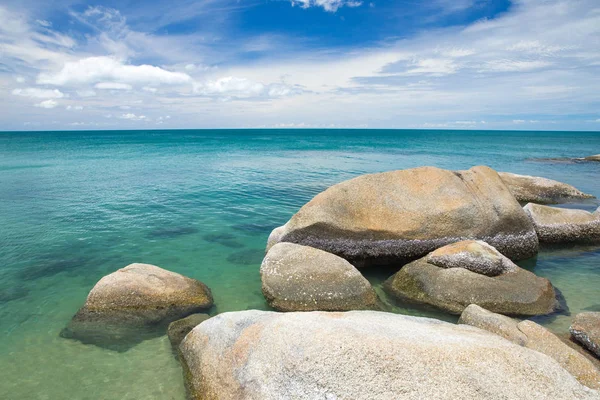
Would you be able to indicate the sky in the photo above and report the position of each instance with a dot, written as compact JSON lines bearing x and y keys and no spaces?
{"x":437,"y":64}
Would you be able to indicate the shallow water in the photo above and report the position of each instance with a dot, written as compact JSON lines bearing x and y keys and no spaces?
{"x":75,"y":206}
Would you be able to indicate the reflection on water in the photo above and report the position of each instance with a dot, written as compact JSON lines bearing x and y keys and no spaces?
{"x":77,"y":206}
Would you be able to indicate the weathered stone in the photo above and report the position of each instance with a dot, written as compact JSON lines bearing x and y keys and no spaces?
{"x":585,"y":329}
{"x":133,"y":300}
{"x":535,"y":337}
{"x":544,"y":341}
{"x":301,"y":278}
{"x":178,"y":329}
{"x":476,"y":256}
{"x":593,"y":158}
{"x":514,"y":292}
{"x":499,"y":324}
{"x":399,"y":216}
{"x":363,"y":355}
{"x":533,"y":189}
{"x":561,"y":225}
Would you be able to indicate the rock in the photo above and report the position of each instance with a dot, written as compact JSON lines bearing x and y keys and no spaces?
{"x":514,"y":292}
{"x":542,"y":340}
{"x":535,"y":337}
{"x":533,"y":189}
{"x":399,"y":216}
{"x":135,"y":300}
{"x":593,"y":158}
{"x":476,"y":256}
{"x":499,"y":324}
{"x":302,"y":278}
{"x":178,"y":329}
{"x":560,"y":225}
{"x":363,"y":355}
{"x":585,"y":329}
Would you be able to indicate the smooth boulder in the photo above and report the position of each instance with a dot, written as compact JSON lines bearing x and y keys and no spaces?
{"x":136,"y":300}
{"x":399,"y":216}
{"x":585,"y":329}
{"x":302,"y":278}
{"x":177,"y":330}
{"x":535,"y":337}
{"x":363,"y":355}
{"x":534,"y":189}
{"x":461,"y":282}
{"x":561,"y":225}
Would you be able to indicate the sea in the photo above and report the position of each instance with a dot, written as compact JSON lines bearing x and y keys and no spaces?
{"x":75,"y":206}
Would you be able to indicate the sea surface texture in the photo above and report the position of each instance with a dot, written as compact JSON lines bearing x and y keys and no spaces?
{"x":75,"y":206}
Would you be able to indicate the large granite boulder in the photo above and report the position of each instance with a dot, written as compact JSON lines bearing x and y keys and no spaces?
{"x":472,"y":272}
{"x":302,"y":278}
{"x":535,"y":337}
{"x":363,"y":355}
{"x":533,"y":189}
{"x":134,"y":301}
{"x":399,"y":216}
{"x":561,"y":225}
{"x":585,"y":329}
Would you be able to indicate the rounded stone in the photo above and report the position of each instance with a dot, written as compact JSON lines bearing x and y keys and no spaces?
{"x":177,"y":330}
{"x":585,"y":329}
{"x":561,"y":225}
{"x":534,"y":189}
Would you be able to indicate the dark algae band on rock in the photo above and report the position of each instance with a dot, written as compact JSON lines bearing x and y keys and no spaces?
{"x":399,"y":216}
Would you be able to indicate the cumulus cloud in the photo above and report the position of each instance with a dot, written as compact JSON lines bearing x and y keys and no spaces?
{"x":47,"y":104}
{"x":39,"y":93}
{"x":75,"y":108}
{"x":327,"y":5}
{"x":92,"y":70}
{"x":232,"y":86}
{"x":133,"y":117}
{"x":113,"y":86}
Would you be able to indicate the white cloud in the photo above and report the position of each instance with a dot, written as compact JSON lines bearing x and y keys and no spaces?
{"x":149,"y":89}
{"x":513,"y":65}
{"x":47,"y":104}
{"x":38,"y":93}
{"x":75,"y":108}
{"x":100,"y":69}
{"x":20,"y":79}
{"x":328,"y":5}
{"x":232,"y":86}
{"x":113,"y":86}
{"x":133,"y":117}
{"x":86,"y":93}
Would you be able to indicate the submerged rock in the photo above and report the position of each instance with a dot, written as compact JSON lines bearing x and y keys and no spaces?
{"x":301,"y":278}
{"x":533,"y":189}
{"x":561,"y":225}
{"x":179,"y":329}
{"x":134,"y":301}
{"x":535,"y":337}
{"x":585,"y":329}
{"x":458,"y":282}
{"x":363,"y":355}
{"x":398,"y":216}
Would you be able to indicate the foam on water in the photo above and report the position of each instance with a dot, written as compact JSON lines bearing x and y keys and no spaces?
{"x":77,"y":206}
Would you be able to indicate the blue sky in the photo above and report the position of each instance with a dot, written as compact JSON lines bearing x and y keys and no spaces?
{"x":468,"y":64}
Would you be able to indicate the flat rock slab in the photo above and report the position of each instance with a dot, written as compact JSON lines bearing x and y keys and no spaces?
{"x":513,"y":292}
{"x":302,"y":278}
{"x":561,"y":225}
{"x":585,"y":329}
{"x":134,"y":300}
{"x":534,"y":189}
{"x":399,"y":216}
{"x":363,"y":355}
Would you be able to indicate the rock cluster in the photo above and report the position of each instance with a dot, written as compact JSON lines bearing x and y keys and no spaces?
{"x":363,"y":355}
{"x":472,"y":272}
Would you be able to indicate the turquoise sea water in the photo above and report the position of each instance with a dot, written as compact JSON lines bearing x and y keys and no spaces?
{"x":75,"y":206}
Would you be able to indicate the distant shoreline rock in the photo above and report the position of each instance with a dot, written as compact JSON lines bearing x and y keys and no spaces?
{"x":533,"y":189}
